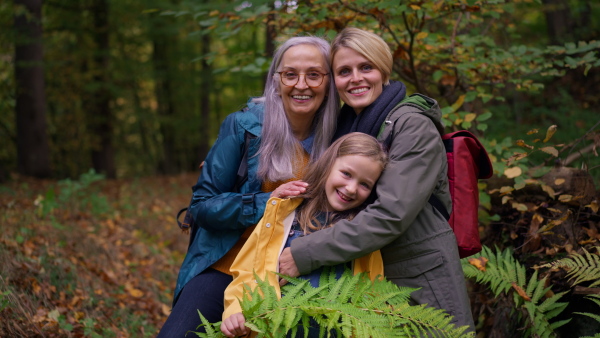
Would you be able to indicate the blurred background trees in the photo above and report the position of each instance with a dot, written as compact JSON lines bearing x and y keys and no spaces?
{"x":131,"y":88}
{"x":139,"y":88}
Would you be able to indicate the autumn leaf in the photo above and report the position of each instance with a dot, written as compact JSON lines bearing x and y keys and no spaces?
{"x":565,"y":198}
{"x":522,"y":143}
{"x":513,"y":172}
{"x":594,"y":206}
{"x":479,"y":262}
{"x":548,"y":189}
{"x":532,"y":131}
{"x":421,"y":35}
{"x":137,"y":293}
{"x":470,"y":117}
{"x":559,"y":181}
{"x":551,"y":130}
{"x":550,"y":150}
{"x":520,"y":206}
{"x":520,"y":291}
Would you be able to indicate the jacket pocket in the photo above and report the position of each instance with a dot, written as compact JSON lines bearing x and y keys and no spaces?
{"x":429,"y":273}
{"x":413,"y":266}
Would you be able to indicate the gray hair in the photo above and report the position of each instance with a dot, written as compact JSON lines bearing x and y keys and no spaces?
{"x":278,"y":146}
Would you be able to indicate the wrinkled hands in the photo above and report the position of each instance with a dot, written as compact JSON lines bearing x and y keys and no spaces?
{"x":290,"y":189}
{"x":287,"y":265}
{"x":233,"y":325}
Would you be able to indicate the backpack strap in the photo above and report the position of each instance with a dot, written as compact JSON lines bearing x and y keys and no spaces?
{"x":436,"y":203}
{"x":409,"y":106}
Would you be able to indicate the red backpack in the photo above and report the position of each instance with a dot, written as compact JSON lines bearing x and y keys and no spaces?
{"x":468,"y":162}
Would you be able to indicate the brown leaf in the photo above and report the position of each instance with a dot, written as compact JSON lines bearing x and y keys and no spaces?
{"x":522,"y":143}
{"x":513,"y":172}
{"x":565,"y":198}
{"x":594,"y":206}
{"x":520,"y":291}
{"x":550,"y":150}
{"x":479,"y":263}
{"x":137,"y":293}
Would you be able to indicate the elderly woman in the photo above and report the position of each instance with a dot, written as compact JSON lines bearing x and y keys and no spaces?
{"x":418,"y":246}
{"x":288,"y":127}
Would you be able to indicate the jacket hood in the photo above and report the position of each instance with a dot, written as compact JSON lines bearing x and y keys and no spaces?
{"x":423,"y":105}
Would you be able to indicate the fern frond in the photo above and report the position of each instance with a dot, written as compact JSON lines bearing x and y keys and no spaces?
{"x":345,"y":306}
{"x":505,"y":275}
{"x":581,"y":268}
{"x":212,"y":330}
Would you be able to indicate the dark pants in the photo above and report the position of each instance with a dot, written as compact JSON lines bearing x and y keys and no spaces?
{"x":204,"y":293}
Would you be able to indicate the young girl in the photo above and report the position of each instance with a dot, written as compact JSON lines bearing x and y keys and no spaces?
{"x":339,"y":186}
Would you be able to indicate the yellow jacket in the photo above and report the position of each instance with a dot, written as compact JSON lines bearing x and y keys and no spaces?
{"x":261,"y":253}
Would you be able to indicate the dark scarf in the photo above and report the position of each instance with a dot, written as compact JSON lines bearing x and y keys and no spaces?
{"x":370,"y":119}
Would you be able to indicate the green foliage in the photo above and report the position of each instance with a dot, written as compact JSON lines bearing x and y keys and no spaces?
{"x":81,"y":195}
{"x":506,"y":277}
{"x":352,"y":306}
{"x":4,"y":301}
{"x":581,"y":269}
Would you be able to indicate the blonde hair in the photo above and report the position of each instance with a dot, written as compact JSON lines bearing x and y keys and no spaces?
{"x":318,"y":172}
{"x":278,"y":147}
{"x":369,"y":45}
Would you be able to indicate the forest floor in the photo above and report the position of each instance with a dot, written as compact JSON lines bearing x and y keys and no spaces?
{"x":89,"y":257}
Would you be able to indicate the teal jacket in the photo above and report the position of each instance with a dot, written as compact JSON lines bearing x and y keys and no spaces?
{"x":220,"y":214}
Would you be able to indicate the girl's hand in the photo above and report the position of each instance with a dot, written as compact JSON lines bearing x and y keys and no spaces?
{"x":290,"y":189}
{"x":233,"y":325}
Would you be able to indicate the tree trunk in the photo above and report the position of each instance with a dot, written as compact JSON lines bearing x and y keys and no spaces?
{"x":165,"y":106}
{"x":271,"y":34}
{"x":33,"y":151}
{"x":558,"y":20}
{"x":100,"y":116}
{"x":205,"y":100}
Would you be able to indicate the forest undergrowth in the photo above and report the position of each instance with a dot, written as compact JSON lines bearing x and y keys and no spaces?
{"x":89,"y":257}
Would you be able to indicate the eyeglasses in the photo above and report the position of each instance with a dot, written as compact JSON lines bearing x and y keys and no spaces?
{"x":291,"y":78}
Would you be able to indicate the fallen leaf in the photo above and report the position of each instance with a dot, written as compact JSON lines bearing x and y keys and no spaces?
{"x":520,"y":291}
{"x":513,"y":172}
{"x":548,"y":189}
{"x":166,"y":310}
{"x":550,"y":150}
{"x":565,"y":198}
{"x":479,"y":263}
{"x":559,"y":181}
{"x":137,"y":293}
{"x":594,"y":206}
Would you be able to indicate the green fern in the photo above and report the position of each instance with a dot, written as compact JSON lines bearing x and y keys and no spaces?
{"x":351,"y":306}
{"x":504,"y":275}
{"x":581,"y":268}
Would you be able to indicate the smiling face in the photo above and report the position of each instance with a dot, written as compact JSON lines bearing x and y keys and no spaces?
{"x":300,"y":100}
{"x":358,"y":81}
{"x":351,"y":181}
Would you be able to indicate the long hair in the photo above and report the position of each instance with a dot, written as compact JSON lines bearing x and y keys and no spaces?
{"x":369,"y":45}
{"x":315,"y":196}
{"x":278,"y":147}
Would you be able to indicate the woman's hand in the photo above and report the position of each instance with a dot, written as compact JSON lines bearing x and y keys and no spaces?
{"x":233,"y":325}
{"x":287,"y":266}
{"x":290,"y":189}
